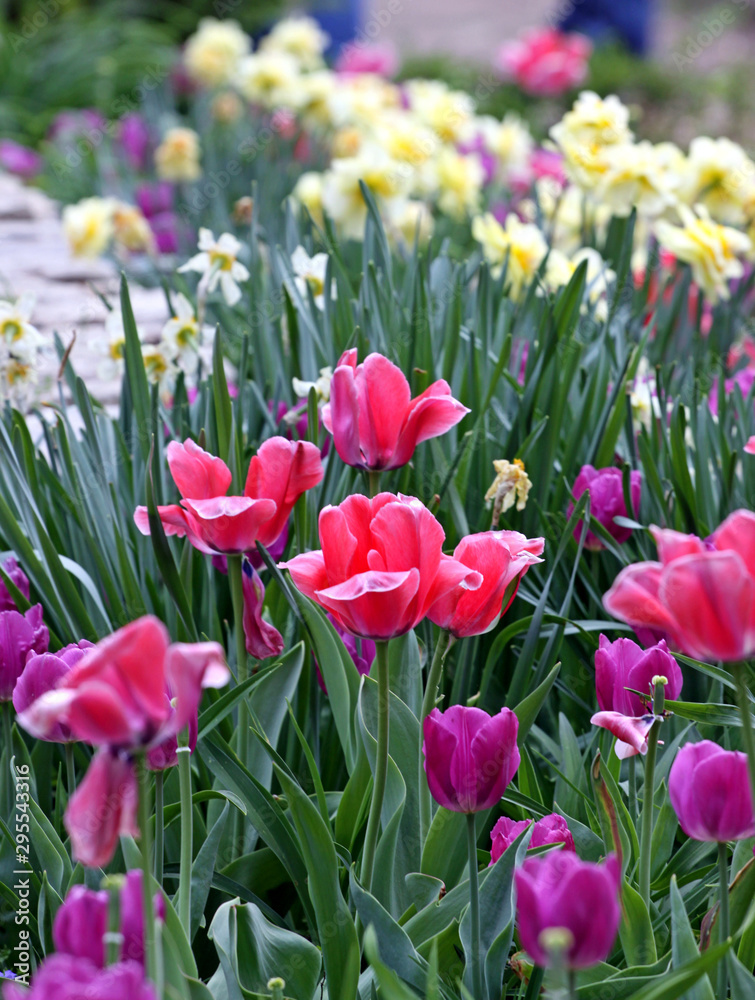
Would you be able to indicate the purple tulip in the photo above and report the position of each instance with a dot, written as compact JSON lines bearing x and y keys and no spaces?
{"x":165,"y":754}
{"x":262,"y":638}
{"x":64,"y":977}
{"x":551,"y":829}
{"x":19,"y":636}
{"x":132,"y":917}
{"x":19,"y":578}
{"x":134,"y":138}
{"x":606,"y":501}
{"x":623,"y":664}
{"x":470,"y":756}
{"x":362,"y":659}
{"x":558,"y":890}
{"x":164,"y":228}
{"x":155,"y":198}
{"x":710,"y":792}
{"x":18,"y":159}
{"x":42,"y":673}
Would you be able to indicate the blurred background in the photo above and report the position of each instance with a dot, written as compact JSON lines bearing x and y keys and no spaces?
{"x":685,"y":65}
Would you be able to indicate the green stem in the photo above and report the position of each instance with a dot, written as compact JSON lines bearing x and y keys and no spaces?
{"x":113,"y":936}
{"x":444,"y":643}
{"x":571,"y":978}
{"x":187,"y":836}
{"x":646,"y":829}
{"x":145,"y":796}
{"x":235,"y":578}
{"x":159,"y":826}
{"x":381,"y":765}
{"x":633,"y":788}
{"x":8,"y":741}
{"x":743,"y":703}
{"x":374,"y":479}
{"x":70,"y":770}
{"x":474,"y":906}
{"x":723,"y":917}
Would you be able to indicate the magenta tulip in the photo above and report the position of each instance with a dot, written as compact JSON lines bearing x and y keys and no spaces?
{"x":374,"y":421}
{"x":551,"y":829}
{"x":606,"y":488}
{"x":381,"y":566}
{"x":710,"y":791}
{"x":19,"y":579}
{"x":64,"y":977}
{"x":622,"y":667}
{"x":470,"y":756}
{"x":19,"y":160}
{"x":42,"y":673}
{"x":558,"y":890}
{"x":700,"y":595}
{"x":20,"y":635}
{"x":262,"y":638}
{"x":102,"y":809}
{"x":502,"y":558}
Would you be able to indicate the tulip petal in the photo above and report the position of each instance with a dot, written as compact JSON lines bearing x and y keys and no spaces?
{"x":190,"y":667}
{"x":632,"y":732}
{"x":262,"y":638}
{"x":738,"y":534}
{"x":384,"y":397}
{"x":101,"y":809}
{"x":374,"y":605}
{"x":281,"y":471}
{"x":674,"y":544}
{"x":634,"y":598}
{"x":197,"y":474}
{"x":432,"y":413}
{"x":229,"y":524}
{"x":341,"y":415}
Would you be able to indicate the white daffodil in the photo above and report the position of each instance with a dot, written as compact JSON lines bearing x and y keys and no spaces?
{"x":159,"y":367}
{"x":113,"y":348}
{"x":217,"y":264}
{"x":321,"y":386}
{"x":310,"y":271}
{"x":181,"y":336}
{"x":17,"y":334}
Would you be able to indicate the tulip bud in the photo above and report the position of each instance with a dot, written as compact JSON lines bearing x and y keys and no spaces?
{"x":709,"y":789}
{"x":19,"y":579}
{"x":262,"y":639}
{"x":19,"y":636}
{"x":606,"y":488}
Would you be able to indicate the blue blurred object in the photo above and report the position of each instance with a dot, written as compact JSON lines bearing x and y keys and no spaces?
{"x":342,"y":19}
{"x":627,"y":21}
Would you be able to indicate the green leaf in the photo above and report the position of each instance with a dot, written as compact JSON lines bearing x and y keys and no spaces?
{"x":203,"y":868}
{"x":684,"y":947}
{"x":635,"y":929}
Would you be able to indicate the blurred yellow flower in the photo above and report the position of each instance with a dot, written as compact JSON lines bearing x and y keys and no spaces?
{"x":88,"y":226}
{"x":212,"y":54}
{"x":520,"y":243}
{"x":177,"y":156}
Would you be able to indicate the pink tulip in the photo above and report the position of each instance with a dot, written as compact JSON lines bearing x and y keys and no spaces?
{"x":362,"y":57}
{"x":606,"y":501}
{"x":749,"y":447}
{"x":262,"y":638}
{"x":19,"y":578}
{"x":558,"y":890}
{"x":623,"y":665}
{"x":381,"y":566}
{"x":551,"y":829}
{"x":19,"y":636}
{"x":470,"y":756}
{"x":373,"y":419}
{"x":44,"y":672}
{"x":165,"y":754}
{"x":102,"y":809}
{"x":700,"y":595}
{"x":132,"y":689}
{"x":63,"y":977}
{"x":19,"y":160}
{"x":215,"y":523}
{"x":710,"y":791}
{"x":545,"y":62}
{"x":502,"y":558}
{"x":631,"y":733}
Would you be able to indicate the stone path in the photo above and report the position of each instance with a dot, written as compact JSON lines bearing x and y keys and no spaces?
{"x":34,"y":258}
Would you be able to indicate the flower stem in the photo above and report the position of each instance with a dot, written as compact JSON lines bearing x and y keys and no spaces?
{"x":723,"y":917}
{"x":572,"y":983}
{"x":113,"y":937}
{"x":381,"y":765}
{"x":474,"y":906}
{"x":646,"y":829}
{"x":70,"y":770}
{"x":187,"y":835}
{"x":159,"y":826}
{"x":444,"y":643}
{"x":150,"y":944}
{"x":242,"y":672}
{"x":743,"y":703}
{"x":374,"y":479}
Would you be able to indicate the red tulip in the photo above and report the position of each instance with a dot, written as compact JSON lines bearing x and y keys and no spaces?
{"x":218,"y":524}
{"x":373,"y":419}
{"x":470,"y":756}
{"x":558,"y":890}
{"x":710,"y":791}
{"x":262,"y":638}
{"x":502,"y":557}
{"x":381,"y":566}
{"x":551,"y":829}
{"x":19,"y":636}
{"x":701,"y":595}
{"x":102,"y":809}
{"x":132,"y":689}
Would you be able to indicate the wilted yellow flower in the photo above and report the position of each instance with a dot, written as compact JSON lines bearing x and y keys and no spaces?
{"x":300,"y":37}
{"x":130,"y":229}
{"x":520,"y":243}
{"x":511,"y":485}
{"x":177,"y":156}
{"x":88,"y":226}
{"x":213,"y":52}
{"x":711,"y":250}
